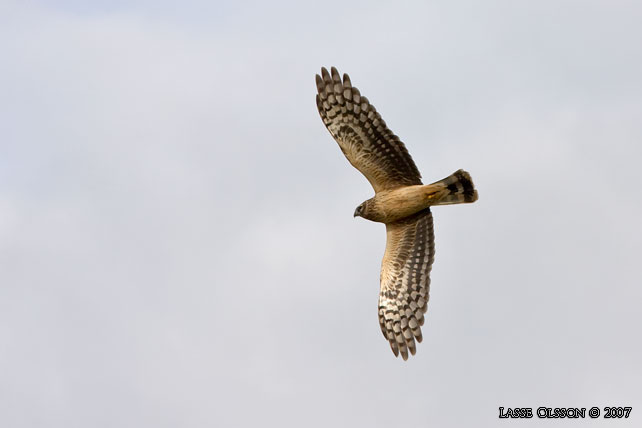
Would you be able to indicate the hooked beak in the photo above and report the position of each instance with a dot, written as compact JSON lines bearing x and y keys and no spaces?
{"x":356,"y":212}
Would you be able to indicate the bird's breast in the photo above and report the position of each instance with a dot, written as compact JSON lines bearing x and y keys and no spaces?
{"x":402,"y":202}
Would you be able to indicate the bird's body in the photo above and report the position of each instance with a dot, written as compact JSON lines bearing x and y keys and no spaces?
{"x":401,"y":201}
{"x":389,"y":206}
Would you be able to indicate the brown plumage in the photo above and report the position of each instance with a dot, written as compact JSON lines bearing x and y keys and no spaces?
{"x":401,"y":201}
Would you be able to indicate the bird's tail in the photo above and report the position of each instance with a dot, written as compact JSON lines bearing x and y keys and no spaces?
{"x":457,"y":188}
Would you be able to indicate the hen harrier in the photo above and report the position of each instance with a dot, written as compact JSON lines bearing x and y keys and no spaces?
{"x":401,"y":201}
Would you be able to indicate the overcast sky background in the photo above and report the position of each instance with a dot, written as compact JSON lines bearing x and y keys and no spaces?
{"x":177,"y":246}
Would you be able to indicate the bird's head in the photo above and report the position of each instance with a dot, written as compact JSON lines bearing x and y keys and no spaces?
{"x":360,"y":210}
{"x":367,"y":210}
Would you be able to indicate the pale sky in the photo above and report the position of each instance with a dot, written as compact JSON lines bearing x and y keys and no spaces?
{"x":177,"y":245}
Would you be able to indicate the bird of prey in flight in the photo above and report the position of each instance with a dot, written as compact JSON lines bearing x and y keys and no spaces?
{"x":401,"y":201}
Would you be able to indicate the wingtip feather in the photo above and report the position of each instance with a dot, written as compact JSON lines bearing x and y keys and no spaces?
{"x":335,"y":74}
{"x":326,"y":76}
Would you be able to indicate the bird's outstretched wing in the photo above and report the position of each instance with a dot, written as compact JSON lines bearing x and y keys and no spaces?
{"x":405,"y":280}
{"x":362,"y":134}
